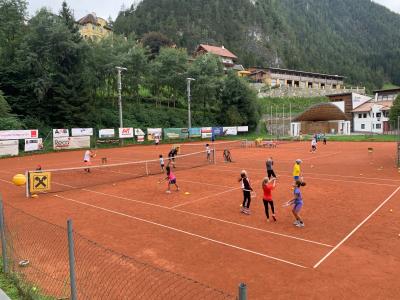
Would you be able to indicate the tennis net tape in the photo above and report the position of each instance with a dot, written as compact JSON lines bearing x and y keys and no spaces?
{"x":78,"y":177}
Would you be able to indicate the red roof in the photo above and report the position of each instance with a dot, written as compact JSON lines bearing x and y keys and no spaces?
{"x":220,"y":51}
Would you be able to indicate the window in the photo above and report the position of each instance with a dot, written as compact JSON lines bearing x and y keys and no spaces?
{"x":296,"y":83}
{"x":378,"y":126}
{"x":323,"y":86}
{"x":362,"y":126}
{"x":289,"y":82}
{"x":364,"y":116}
{"x":359,"y":116}
{"x":334,"y":86}
{"x":378,"y":115}
{"x":310,"y":85}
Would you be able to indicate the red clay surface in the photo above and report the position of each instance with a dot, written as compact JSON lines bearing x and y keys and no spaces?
{"x":204,"y":236}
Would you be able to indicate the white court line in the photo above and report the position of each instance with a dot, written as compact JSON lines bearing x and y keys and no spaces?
{"x":207,"y":217}
{"x":355,"y":229}
{"x":258,"y":170}
{"x":184,"y":232}
{"x":6,"y":181}
{"x":206,"y":197}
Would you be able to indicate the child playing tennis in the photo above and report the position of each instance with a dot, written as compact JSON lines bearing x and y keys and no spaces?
{"x":268,"y":185}
{"x":162,"y":163}
{"x":270,"y":168}
{"x":313,"y":145}
{"x":297,"y":203}
{"x":171,"y":156}
{"x":297,"y":170}
{"x":171,"y":180}
{"x":247,"y":189}
{"x":208,"y":151}
{"x":86,"y":159}
{"x":227,"y":156}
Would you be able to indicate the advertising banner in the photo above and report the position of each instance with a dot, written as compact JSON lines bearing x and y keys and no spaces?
{"x":140,"y":138}
{"x":60,"y":133}
{"x":18,"y":134}
{"x":176,"y":133}
{"x":243,"y":129}
{"x":217,"y":131}
{"x":125,"y":133}
{"x":139,"y":132}
{"x":195,"y":132}
{"x":82,"y":131}
{"x":206,"y":132}
{"x":106,"y":133}
{"x":230,"y":130}
{"x":74,"y":142}
{"x":33,"y":145}
{"x":153,"y":132}
{"x":9,"y":147}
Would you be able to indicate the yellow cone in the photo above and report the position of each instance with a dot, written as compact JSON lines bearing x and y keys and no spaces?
{"x":187,"y":193}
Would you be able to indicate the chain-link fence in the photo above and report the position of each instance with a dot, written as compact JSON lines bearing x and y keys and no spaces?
{"x":37,"y":253}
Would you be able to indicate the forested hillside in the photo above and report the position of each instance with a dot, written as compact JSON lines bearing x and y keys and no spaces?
{"x":355,"y":38}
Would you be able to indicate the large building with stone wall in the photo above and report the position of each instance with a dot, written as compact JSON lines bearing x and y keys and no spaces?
{"x":277,"y":77}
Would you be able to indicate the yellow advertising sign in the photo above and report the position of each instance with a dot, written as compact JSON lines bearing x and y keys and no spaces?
{"x":39,"y":182}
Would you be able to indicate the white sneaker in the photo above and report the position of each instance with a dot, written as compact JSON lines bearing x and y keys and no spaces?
{"x":295,"y":222}
{"x":168,"y":192}
{"x":300,"y":225}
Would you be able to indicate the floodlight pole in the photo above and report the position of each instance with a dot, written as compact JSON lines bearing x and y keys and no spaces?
{"x":188,"y":80}
{"x":120,"y":69}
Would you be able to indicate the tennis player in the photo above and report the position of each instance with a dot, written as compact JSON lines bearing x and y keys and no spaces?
{"x":297,"y":170}
{"x":313,"y":145}
{"x":270,"y":168}
{"x":156,"y":139}
{"x":162,"y":163}
{"x":246,"y":187}
{"x":297,"y":203}
{"x":86,"y":159}
{"x":268,"y":185}
{"x":171,"y":156}
{"x":171,"y":180}
{"x":208,"y":151}
{"x":227,"y":155}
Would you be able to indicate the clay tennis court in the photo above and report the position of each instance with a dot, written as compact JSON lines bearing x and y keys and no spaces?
{"x":348,"y":249}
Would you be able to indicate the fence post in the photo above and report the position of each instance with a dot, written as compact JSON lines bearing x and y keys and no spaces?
{"x":71,"y":260}
{"x":3,"y":238}
{"x":242,"y":291}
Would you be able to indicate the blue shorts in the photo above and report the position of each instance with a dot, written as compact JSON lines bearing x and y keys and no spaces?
{"x":297,"y":206}
{"x":173,"y":181}
{"x":296,"y":178}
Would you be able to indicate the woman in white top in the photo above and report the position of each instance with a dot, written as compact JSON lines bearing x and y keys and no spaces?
{"x":86,"y":159}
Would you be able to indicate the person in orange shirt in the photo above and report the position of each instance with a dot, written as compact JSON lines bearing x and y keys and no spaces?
{"x":268,"y":185}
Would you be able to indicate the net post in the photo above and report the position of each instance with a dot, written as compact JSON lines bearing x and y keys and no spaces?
{"x":242,"y":291}
{"x":27,"y":193}
{"x":71,"y":257}
{"x":3,"y":238}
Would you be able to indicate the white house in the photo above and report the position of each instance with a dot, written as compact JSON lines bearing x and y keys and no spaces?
{"x":372,"y":116}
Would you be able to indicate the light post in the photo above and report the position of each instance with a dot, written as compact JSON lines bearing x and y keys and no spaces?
{"x":188,"y":94}
{"x":120,"y":69}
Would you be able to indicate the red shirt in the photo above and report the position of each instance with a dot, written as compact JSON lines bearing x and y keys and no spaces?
{"x":268,"y":192}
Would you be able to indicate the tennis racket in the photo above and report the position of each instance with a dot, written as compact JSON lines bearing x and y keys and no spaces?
{"x":288,"y":203}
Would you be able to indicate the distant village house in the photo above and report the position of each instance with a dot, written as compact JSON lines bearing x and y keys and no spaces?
{"x":93,"y":27}
{"x":227,"y":58}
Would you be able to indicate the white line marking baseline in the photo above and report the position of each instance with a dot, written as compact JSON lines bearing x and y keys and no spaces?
{"x":356,"y":228}
{"x":184,"y":232}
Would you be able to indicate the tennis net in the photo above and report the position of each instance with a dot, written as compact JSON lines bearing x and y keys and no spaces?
{"x":218,"y":146}
{"x":59,"y":180}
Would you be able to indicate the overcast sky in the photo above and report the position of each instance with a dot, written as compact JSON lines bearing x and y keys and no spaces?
{"x":106,"y":9}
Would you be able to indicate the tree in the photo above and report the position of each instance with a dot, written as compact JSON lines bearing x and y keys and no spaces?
{"x":394,"y":112}
{"x":68,"y":17}
{"x":154,"y":41}
{"x":7,"y":120}
{"x":238,"y":103}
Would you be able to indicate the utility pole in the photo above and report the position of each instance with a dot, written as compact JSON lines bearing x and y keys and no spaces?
{"x":120,"y":69}
{"x":189,"y":100}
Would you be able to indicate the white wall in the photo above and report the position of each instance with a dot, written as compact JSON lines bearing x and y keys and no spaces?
{"x":370,"y":120}
{"x":359,"y":99}
{"x":295,"y":129}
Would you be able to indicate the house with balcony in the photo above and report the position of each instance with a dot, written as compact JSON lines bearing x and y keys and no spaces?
{"x":93,"y":28}
{"x":227,"y":58}
{"x":386,"y":95}
{"x":372,"y":117}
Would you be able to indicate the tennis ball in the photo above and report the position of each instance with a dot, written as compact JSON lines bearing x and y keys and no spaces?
{"x":19,"y":179}
{"x":34,"y":196}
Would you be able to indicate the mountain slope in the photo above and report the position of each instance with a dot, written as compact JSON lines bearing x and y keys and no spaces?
{"x":355,"y":38}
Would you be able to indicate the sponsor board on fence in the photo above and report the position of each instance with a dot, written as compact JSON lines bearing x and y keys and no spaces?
{"x":230,"y":130}
{"x":195,"y":132}
{"x":206,"y":132}
{"x":106,"y":133}
{"x":153,"y":132}
{"x":18,"y":134}
{"x":243,"y":129}
{"x":176,"y":133}
{"x":60,"y":133}
{"x":139,"y":132}
{"x":9,"y":147}
{"x":82,"y":131}
{"x":217,"y":131}
{"x":33,"y":145}
{"x":107,"y":141}
{"x":74,"y":142}
{"x":125,"y":133}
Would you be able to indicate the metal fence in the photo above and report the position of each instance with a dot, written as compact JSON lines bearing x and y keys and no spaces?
{"x":59,"y":263}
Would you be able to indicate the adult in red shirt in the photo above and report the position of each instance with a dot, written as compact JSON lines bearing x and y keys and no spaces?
{"x":268,"y":185}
